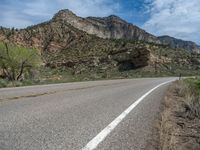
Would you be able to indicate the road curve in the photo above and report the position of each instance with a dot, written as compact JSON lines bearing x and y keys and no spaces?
{"x":68,"y":116}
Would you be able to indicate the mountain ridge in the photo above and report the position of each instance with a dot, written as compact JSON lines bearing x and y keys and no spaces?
{"x":115,"y":27}
{"x":106,"y":27}
{"x":63,"y":46}
{"x":179,"y":43}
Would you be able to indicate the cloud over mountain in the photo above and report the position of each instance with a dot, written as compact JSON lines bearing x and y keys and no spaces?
{"x":178,"y":18}
{"x":24,"y":12}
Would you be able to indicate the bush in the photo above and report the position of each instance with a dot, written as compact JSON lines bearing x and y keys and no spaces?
{"x":27,"y":82}
{"x":189,"y":91}
{"x":16,"y":62}
{"x":3,"y":83}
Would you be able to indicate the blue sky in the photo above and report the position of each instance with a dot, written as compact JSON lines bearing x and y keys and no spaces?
{"x":178,"y":18}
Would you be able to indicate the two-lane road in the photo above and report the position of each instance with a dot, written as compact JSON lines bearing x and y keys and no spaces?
{"x":78,"y":115}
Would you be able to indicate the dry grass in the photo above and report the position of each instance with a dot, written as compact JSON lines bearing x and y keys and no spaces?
{"x":190,"y":93}
{"x":180,"y":118}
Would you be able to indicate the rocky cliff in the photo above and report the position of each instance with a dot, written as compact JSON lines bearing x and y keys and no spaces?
{"x":180,"y":44}
{"x":111,"y":27}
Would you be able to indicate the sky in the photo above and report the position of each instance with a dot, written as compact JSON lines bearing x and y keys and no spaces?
{"x":177,"y":18}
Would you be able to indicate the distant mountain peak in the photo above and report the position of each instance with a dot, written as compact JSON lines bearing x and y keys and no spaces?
{"x":111,"y":17}
{"x":178,"y":43}
{"x":66,"y":11}
{"x":114,"y":17}
{"x":63,"y":14}
{"x":170,"y":37}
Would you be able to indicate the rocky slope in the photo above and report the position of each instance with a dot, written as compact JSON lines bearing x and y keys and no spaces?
{"x":111,"y":27}
{"x":63,"y":45}
{"x":178,"y":43}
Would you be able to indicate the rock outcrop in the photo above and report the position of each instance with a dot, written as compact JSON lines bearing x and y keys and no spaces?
{"x":180,"y":44}
{"x":111,"y":27}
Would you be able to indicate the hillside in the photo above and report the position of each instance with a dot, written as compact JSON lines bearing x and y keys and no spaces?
{"x":62,"y":45}
{"x":65,"y":47}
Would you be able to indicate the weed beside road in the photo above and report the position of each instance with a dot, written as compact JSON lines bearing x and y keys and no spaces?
{"x":180,"y":118}
{"x":189,"y":89}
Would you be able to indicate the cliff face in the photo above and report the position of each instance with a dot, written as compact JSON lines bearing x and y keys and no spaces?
{"x":111,"y":27}
{"x":178,"y":43}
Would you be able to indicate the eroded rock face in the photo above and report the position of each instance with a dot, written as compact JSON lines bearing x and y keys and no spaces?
{"x":132,"y":58}
{"x":106,"y":27}
{"x":113,"y":27}
{"x":178,"y":43}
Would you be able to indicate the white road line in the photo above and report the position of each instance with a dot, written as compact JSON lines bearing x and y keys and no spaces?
{"x":107,"y":130}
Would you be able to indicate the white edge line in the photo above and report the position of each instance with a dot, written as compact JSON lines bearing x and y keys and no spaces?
{"x":107,"y":130}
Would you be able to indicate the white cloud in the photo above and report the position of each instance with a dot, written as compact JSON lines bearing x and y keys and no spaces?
{"x":12,"y":19}
{"x":86,"y":8}
{"x":37,"y":8}
{"x":178,"y":18}
{"x":23,"y":13}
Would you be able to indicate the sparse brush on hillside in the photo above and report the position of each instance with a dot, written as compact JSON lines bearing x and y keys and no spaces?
{"x":17,"y":63}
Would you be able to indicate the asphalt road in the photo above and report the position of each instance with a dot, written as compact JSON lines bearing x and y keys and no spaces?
{"x":68,"y":116}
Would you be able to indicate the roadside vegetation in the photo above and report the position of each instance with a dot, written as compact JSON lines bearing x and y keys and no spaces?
{"x":180,"y":119}
{"x":17,"y":64}
{"x":21,"y":66}
{"x":189,"y":89}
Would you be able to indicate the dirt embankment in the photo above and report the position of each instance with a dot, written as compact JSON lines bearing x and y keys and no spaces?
{"x":179,"y":124}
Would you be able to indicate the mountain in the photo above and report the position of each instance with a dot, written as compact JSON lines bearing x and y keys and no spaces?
{"x":178,"y":43}
{"x":111,"y":27}
{"x":64,"y":45}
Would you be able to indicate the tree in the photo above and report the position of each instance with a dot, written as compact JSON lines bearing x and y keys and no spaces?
{"x":15,"y":61}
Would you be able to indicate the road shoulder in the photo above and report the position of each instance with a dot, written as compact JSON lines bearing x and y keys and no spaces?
{"x":178,"y":128}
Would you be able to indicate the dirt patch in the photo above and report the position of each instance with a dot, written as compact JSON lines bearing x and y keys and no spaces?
{"x":178,"y":127}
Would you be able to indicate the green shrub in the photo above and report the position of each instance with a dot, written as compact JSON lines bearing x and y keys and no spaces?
{"x":27,"y":82}
{"x":17,"y":61}
{"x":3,"y":83}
